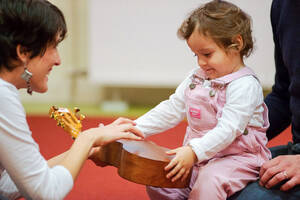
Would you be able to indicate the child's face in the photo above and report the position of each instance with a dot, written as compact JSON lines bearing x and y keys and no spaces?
{"x":213,"y":59}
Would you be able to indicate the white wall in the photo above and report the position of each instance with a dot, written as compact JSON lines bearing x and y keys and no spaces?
{"x":134,"y":43}
{"x":150,"y":55}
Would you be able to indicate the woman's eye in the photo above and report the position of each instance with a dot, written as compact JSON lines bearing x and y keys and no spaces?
{"x":195,"y":55}
{"x":207,"y":54}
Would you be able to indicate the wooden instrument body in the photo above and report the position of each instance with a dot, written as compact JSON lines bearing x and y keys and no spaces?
{"x":142,"y":162}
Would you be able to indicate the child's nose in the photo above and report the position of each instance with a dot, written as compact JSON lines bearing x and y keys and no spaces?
{"x":201,"y":62}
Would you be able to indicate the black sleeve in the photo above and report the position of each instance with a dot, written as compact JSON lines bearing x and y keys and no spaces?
{"x":284,"y":100}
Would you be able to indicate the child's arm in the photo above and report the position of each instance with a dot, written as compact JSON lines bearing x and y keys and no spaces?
{"x":167,"y":114}
{"x":244,"y":99}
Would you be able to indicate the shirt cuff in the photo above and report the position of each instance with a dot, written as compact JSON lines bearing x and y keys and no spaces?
{"x":201,"y":156}
{"x":67,"y":180}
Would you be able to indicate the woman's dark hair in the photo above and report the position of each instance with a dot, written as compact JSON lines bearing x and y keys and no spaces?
{"x":33,"y":24}
{"x":222,"y":21}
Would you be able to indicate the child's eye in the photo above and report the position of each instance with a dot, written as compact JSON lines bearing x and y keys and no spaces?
{"x":207,"y":54}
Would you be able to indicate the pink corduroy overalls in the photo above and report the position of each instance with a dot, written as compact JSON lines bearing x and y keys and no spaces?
{"x":231,"y":169}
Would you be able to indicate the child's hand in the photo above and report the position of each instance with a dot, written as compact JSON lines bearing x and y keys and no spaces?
{"x":181,"y":164}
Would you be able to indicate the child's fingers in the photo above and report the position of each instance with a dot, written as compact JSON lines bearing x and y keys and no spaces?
{"x":171,"y":164}
{"x":171,"y":152}
{"x":174,"y":170}
{"x":121,"y":135}
{"x":131,"y":136}
{"x":131,"y":128}
{"x":186,"y":173}
{"x":179,"y":175}
{"x":122,"y":120}
{"x":137,"y":132}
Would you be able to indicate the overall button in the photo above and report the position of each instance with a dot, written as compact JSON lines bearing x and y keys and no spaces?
{"x":245,"y":132}
{"x":212,"y":93}
{"x":192,"y":86}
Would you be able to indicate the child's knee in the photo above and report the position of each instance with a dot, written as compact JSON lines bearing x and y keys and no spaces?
{"x":209,"y":186}
{"x":208,"y":179}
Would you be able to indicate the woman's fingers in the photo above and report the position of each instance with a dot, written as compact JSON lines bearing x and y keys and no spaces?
{"x":277,"y":178}
{"x":290,"y":184}
{"x":282,"y":168}
{"x":268,"y":170}
{"x":93,"y":151}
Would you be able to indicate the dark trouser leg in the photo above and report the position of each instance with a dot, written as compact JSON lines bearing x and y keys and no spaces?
{"x":254,"y":191}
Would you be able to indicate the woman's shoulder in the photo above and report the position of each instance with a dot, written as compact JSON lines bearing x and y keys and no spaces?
{"x":9,"y":93}
{"x":10,"y":100}
{"x":7,"y":89}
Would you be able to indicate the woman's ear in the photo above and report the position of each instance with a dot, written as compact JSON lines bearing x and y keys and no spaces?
{"x":22,"y":53}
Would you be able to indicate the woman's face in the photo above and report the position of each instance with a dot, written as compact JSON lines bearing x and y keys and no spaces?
{"x":41,"y":66}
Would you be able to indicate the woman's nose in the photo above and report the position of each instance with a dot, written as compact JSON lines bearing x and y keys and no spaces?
{"x":57,"y":58}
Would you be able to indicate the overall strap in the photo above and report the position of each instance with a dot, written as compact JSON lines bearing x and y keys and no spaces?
{"x":221,"y":82}
{"x":245,"y":71}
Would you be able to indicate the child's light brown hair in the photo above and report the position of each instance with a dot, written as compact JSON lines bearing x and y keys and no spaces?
{"x":222,"y":21}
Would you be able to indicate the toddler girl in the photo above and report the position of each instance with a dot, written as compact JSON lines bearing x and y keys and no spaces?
{"x":225,"y":141}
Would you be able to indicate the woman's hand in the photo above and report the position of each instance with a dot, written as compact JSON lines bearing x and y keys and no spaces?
{"x":85,"y":145}
{"x":181,"y":164}
{"x":121,"y":128}
{"x":281,"y":168}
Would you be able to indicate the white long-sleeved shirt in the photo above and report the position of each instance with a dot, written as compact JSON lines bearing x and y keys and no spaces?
{"x":244,"y":100}
{"x":23,"y":170}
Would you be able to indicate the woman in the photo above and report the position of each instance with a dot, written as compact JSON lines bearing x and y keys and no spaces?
{"x":30,"y":31}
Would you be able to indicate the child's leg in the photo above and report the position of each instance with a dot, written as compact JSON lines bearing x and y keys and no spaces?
{"x":222,"y":177}
{"x":155,"y":193}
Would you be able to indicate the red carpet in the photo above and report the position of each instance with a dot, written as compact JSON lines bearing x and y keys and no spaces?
{"x":104,"y":183}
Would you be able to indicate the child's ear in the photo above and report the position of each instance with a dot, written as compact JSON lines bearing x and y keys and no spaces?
{"x":238,"y":42}
{"x":22,"y":53}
